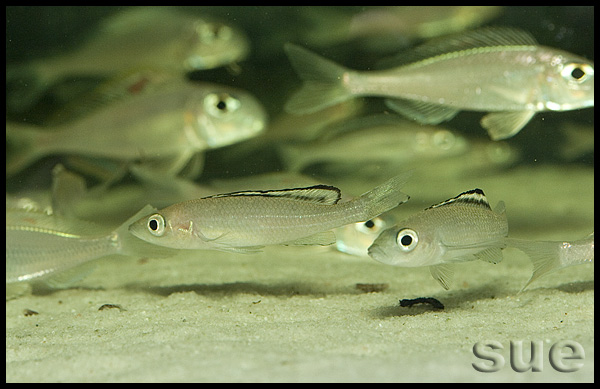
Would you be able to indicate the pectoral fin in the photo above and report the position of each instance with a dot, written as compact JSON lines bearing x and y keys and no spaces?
{"x":442,"y":274}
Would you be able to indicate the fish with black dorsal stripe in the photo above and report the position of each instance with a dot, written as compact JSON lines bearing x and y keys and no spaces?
{"x":246,"y":221}
{"x":463,"y":228}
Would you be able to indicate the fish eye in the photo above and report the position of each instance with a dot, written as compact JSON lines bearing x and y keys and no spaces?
{"x":156,"y":225}
{"x":577,"y":72}
{"x":407,"y":239}
{"x":220,"y":104}
{"x":371,"y":226}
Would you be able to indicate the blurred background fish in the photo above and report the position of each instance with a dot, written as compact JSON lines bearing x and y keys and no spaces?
{"x":164,"y":38}
{"x":169,"y":122}
{"x":382,"y":140}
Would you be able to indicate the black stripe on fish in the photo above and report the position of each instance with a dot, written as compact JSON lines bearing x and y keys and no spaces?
{"x":321,"y":194}
{"x":474,"y":196}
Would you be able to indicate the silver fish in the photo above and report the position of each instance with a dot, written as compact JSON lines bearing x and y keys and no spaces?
{"x":246,"y":221}
{"x":463,"y":228}
{"x":499,"y":70}
{"x":155,"y":37}
{"x":40,"y":245}
{"x":172,"y":122}
{"x":548,"y":256}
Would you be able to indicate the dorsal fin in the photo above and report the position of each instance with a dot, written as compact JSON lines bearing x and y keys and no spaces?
{"x":492,"y":37}
{"x":320,"y":194}
{"x":473,"y":197}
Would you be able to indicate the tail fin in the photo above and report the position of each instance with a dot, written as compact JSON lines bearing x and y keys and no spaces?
{"x":133,"y":246}
{"x":385,"y":197}
{"x":323,"y":81}
{"x":543,"y":255}
{"x":22,"y":142}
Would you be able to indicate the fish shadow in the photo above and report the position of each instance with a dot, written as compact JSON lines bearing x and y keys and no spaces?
{"x":460,"y":299}
{"x":264,"y":289}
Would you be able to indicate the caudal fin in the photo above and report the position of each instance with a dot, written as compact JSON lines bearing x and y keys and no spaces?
{"x":543,"y":255}
{"x":386,"y":196}
{"x":323,"y":81}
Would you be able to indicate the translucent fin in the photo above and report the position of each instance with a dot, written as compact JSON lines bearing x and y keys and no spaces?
{"x":323,"y":81}
{"x":503,"y":125}
{"x":442,"y":274}
{"x":324,"y":238}
{"x":543,"y":255}
{"x":491,"y":255}
{"x":473,"y":39}
{"x":385,"y":197}
{"x":69,"y":277}
{"x":424,"y":113}
{"x":194,"y":167}
{"x":241,"y":250}
{"x":68,"y":189}
{"x":500,"y":208}
{"x":167,"y":166}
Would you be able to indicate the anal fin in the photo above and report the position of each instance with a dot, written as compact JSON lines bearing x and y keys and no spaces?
{"x":324,"y":238}
{"x":491,"y":255}
{"x":503,"y":125}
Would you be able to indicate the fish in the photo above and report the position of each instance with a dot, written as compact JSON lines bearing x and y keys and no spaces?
{"x":156,"y":37}
{"x":356,"y":238}
{"x":549,"y":256}
{"x":41,"y":246}
{"x":463,"y":228}
{"x":416,"y":22}
{"x":246,"y":221}
{"x":499,"y":70}
{"x":375,"y":140}
{"x":171,"y":123}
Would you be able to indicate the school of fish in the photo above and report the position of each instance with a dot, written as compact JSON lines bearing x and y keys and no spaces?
{"x":173,"y":107}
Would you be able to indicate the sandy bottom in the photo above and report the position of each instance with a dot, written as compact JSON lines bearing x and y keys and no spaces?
{"x":296,"y":314}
